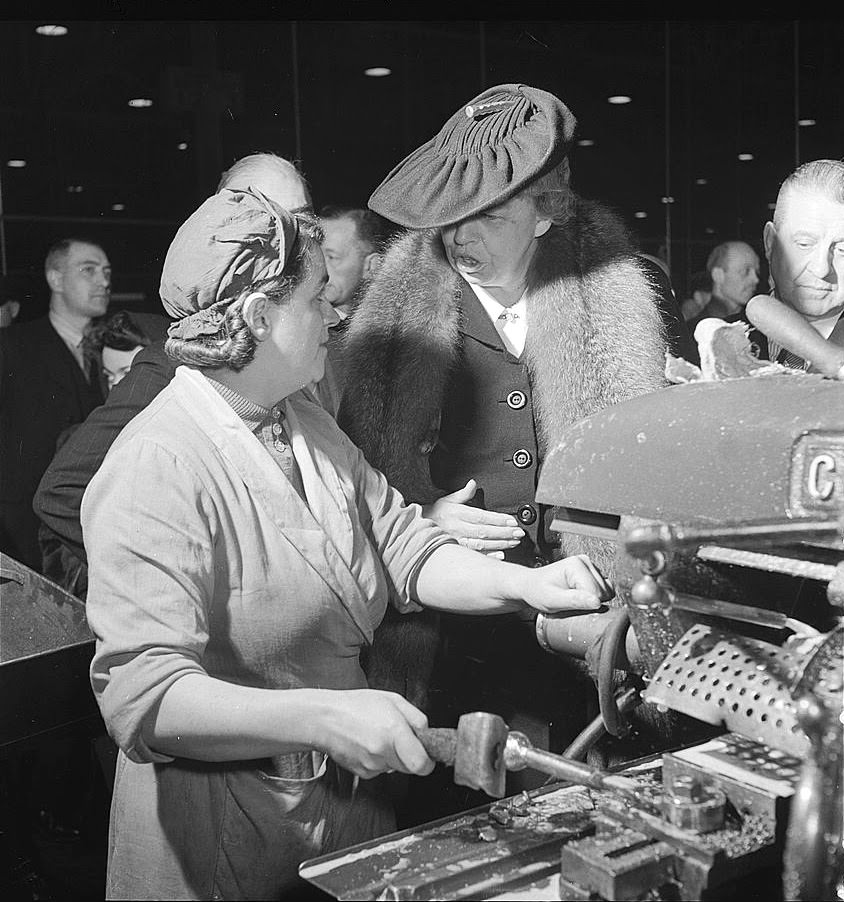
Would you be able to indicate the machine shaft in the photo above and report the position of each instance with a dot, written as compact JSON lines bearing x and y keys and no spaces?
{"x":520,"y":753}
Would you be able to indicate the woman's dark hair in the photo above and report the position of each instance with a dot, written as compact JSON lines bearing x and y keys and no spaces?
{"x":233,"y":344}
{"x":119,"y":332}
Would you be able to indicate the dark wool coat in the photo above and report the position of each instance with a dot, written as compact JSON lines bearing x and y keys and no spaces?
{"x":595,"y":337}
{"x":42,"y":391}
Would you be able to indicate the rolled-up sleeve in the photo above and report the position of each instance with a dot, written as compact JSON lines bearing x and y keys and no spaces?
{"x":402,"y":536}
{"x":148,"y":530}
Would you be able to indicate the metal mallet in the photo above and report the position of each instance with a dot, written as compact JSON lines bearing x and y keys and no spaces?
{"x":482,"y":749}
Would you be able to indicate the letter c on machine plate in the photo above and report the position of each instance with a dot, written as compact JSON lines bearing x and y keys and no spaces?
{"x":817,"y":474}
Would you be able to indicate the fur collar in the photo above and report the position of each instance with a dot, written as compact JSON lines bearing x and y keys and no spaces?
{"x":595,"y":337}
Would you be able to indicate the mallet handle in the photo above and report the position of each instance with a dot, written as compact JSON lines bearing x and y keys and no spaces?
{"x":440,"y":743}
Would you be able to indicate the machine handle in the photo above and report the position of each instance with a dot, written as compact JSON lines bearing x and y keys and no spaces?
{"x":787,"y":327}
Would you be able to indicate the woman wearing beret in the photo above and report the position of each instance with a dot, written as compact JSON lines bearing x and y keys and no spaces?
{"x":241,"y":552}
{"x":511,"y":309}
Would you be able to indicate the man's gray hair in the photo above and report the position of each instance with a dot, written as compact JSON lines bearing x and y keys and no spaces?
{"x":258,"y":163}
{"x":824,"y":177}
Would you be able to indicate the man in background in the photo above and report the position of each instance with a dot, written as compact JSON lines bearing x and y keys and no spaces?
{"x":60,"y":493}
{"x":733,"y":267}
{"x":353,"y":246}
{"x":47,"y":383}
{"x":804,"y":245}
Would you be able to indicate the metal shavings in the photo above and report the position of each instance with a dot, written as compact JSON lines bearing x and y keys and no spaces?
{"x":755,"y":831}
{"x":502,"y":814}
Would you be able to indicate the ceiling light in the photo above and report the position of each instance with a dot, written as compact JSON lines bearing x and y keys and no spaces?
{"x":16,"y":164}
{"x":182,"y":145}
{"x":52,"y":31}
{"x":806,"y":122}
{"x":640,"y":214}
{"x":619,"y":99}
{"x":140,"y":103}
{"x":585,"y":142}
{"x":378,"y":71}
{"x":74,"y":189}
{"x":709,"y":230}
{"x":701,"y":182}
{"x":118,"y":207}
{"x":745,"y":157}
{"x":667,"y":199}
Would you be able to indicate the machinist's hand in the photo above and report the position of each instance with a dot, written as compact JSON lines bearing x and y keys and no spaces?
{"x":572,"y":584}
{"x":486,"y":531}
{"x":371,"y":732}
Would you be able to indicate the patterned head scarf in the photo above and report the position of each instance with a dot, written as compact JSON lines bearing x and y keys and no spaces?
{"x":235,"y":239}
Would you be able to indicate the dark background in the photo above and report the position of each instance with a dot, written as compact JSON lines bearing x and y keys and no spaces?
{"x":702,"y":91}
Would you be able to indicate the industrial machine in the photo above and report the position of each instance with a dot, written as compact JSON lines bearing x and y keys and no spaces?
{"x":725,"y":503}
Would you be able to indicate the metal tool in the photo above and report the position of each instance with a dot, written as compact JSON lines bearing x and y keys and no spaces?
{"x":482,"y":750}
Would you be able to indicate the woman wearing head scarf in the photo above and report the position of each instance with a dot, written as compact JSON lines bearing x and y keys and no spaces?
{"x":241,"y":553}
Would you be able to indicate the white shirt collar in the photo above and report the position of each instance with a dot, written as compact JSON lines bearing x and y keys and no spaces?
{"x":67,"y":328}
{"x":825,"y":325}
{"x":70,"y":334}
{"x":512,"y":329}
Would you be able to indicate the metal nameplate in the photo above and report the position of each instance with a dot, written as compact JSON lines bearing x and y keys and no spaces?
{"x":817,"y":475}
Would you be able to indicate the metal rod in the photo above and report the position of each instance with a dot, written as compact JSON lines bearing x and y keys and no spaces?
{"x":728,"y":609}
{"x":771,"y":563}
{"x":576,"y":771}
{"x":642,"y":540}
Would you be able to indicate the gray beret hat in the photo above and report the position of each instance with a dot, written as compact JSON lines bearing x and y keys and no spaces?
{"x":490,"y":149}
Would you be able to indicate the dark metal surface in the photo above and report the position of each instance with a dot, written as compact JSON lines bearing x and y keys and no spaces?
{"x":45,"y":651}
{"x":711,"y":451}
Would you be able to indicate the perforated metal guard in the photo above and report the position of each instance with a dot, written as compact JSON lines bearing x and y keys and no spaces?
{"x":743,"y":683}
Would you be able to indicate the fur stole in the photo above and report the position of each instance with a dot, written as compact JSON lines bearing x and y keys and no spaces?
{"x":595,"y":337}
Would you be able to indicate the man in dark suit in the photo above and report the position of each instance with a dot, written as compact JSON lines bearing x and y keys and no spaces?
{"x":353,"y":246}
{"x":47,"y":383}
{"x":59,"y":496}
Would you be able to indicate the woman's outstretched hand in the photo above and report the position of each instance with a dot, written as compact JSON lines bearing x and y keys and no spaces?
{"x":571,"y":584}
{"x":481,"y":530}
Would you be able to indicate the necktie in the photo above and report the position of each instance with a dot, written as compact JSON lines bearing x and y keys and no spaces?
{"x":509,"y":332}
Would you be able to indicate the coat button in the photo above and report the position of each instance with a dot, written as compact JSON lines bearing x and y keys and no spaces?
{"x":522,"y":459}
{"x":516,"y":400}
{"x":526,"y":514}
